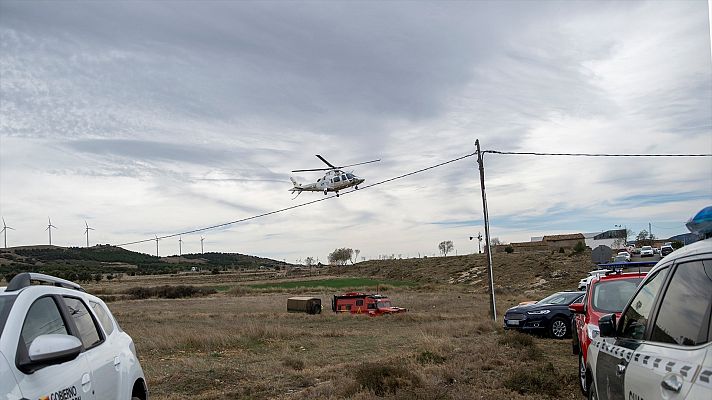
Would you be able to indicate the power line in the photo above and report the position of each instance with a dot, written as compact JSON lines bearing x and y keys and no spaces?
{"x":298,"y":205}
{"x":526,"y":153}
{"x":404,"y":176}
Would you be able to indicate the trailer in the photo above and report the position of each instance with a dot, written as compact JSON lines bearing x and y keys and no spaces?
{"x":309,"y":305}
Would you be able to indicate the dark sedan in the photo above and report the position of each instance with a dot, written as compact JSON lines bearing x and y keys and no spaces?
{"x":550,"y":315}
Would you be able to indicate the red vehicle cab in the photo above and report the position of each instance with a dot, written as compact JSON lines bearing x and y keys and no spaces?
{"x":362,"y":303}
{"x":605,"y":294}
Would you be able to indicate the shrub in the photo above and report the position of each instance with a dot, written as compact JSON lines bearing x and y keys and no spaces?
{"x":382,"y":379}
{"x":517,"y":340}
{"x":561,"y":250}
{"x":544,"y":379}
{"x":293,"y":363}
{"x":509,"y":249}
{"x":579,"y":248}
{"x":676,"y":244}
{"x":428,"y":357}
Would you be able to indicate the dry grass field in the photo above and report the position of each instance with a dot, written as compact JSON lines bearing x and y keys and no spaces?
{"x":244,"y":345}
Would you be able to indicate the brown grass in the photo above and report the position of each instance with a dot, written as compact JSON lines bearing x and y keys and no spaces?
{"x":245,"y":345}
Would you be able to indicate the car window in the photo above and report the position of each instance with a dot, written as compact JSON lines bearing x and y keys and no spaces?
{"x":5,"y":306}
{"x":685,"y":309}
{"x":611,"y":296}
{"x":635,"y":318}
{"x":88,"y":333}
{"x":560,"y":298}
{"x":104,"y":318}
{"x":43,"y":318}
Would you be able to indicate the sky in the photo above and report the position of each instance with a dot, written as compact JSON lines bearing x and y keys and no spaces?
{"x":148,"y":119}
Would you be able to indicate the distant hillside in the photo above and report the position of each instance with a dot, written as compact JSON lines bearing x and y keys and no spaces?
{"x":513,"y":273}
{"x":84,"y":264}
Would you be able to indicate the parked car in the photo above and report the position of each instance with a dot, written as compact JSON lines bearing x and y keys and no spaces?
{"x":59,"y":342}
{"x":646,"y":251}
{"x":621,"y":259}
{"x":661,"y":347}
{"x":591,"y":274}
{"x":624,"y":254}
{"x":550,"y":314}
{"x":665,"y":250}
{"x":606,"y":294}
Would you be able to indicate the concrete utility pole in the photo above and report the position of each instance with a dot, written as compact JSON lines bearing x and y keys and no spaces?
{"x":488,"y":249}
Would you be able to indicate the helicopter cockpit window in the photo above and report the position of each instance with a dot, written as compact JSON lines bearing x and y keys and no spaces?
{"x":343,"y":177}
{"x":336,"y":179}
{"x":350,"y":176}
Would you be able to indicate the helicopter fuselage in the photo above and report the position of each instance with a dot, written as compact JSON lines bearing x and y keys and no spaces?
{"x":332,"y":181}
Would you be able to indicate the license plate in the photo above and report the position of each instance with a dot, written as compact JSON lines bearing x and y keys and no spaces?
{"x":513,"y":322}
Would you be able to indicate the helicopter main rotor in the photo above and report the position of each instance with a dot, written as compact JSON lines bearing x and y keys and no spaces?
{"x":331,"y":166}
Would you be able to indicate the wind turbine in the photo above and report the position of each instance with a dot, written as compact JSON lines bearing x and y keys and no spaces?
{"x":4,"y":230}
{"x":180,"y":246}
{"x":49,"y":228}
{"x":86,"y":231}
{"x":201,"y":244}
{"x":156,"y":245}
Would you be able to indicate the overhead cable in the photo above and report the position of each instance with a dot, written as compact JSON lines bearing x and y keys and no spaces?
{"x":401,"y":177}
{"x":296,"y":205}
{"x":528,"y":153}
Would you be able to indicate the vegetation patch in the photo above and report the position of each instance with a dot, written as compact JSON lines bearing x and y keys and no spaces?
{"x":169,"y":292}
{"x":517,"y":340}
{"x":338,"y":283}
{"x":543,"y":379}
{"x":382,"y":379}
{"x":428,"y":357}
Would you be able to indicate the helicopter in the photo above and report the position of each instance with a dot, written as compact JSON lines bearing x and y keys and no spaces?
{"x":333,"y":180}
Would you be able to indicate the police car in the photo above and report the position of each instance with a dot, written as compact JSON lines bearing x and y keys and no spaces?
{"x":661,"y":348}
{"x":59,"y":342}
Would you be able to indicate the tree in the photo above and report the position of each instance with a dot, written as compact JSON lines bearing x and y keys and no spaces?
{"x":340,"y":256}
{"x":495,"y":241}
{"x":355,"y":256}
{"x":642,"y":235}
{"x":445,"y":247}
{"x":309,"y":261}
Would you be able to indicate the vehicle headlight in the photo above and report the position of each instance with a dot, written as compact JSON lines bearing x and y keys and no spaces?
{"x":538,"y":312}
{"x":593,"y":331}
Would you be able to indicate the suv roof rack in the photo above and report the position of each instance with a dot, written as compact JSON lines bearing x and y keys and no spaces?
{"x":24,"y":279}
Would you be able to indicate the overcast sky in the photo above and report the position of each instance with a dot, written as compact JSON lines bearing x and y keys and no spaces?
{"x":153,"y":118}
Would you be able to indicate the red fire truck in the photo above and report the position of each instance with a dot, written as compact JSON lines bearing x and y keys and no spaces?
{"x":363,"y":303}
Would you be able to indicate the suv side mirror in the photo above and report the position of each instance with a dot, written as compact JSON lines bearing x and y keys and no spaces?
{"x":607,"y":325}
{"x":50,"y":350}
{"x":576,"y":308}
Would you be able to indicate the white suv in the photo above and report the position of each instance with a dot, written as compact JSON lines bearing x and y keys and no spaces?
{"x":59,"y":342}
{"x":662,"y":346}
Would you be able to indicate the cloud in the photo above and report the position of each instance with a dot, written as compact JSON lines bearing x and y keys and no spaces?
{"x":159,"y":117}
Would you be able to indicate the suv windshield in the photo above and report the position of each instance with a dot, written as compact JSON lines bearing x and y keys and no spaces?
{"x":384,"y":304}
{"x":559,"y":298}
{"x":611,"y":296}
{"x":5,"y":305}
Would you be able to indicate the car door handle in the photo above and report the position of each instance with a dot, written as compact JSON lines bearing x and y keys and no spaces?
{"x":86,"y":380}
{"x":620,"y":369}
{"x":672,"y":383}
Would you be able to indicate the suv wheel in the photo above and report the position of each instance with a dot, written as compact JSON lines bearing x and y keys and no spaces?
{"x":583,"y":379}
{"x":558,"y":328}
